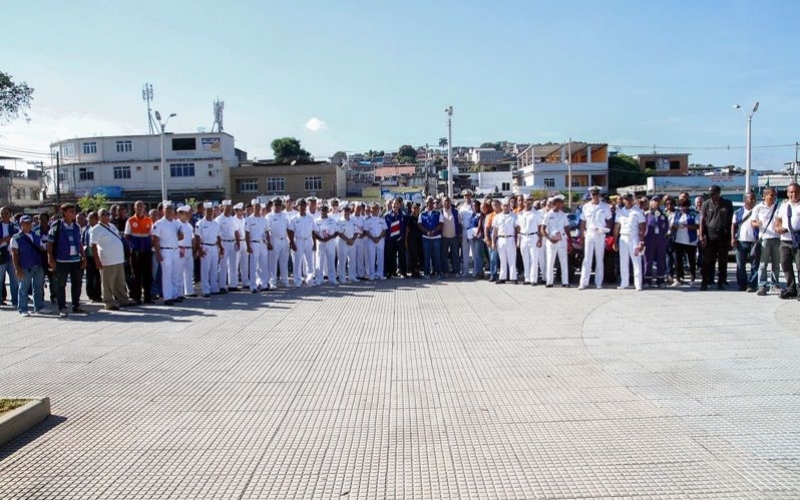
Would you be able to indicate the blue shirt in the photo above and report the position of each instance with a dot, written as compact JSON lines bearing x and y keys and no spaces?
{"x":430,"y":222}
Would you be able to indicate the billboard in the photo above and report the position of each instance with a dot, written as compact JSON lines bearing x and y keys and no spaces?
{"x":210,"y":144}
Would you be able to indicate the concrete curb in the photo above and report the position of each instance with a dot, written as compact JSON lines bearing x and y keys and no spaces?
{"x":15,"y":422}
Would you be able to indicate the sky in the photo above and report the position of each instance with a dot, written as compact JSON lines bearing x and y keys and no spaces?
{"x":355,"y":75}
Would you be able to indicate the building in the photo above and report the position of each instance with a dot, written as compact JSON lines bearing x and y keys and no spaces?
{"x":664,"y":165}
{"x":127,"y":168}
{"x":19,"y":189}
{"x":267,"y":178}
{"x":549,"y":167}
{"x":486,"y":156}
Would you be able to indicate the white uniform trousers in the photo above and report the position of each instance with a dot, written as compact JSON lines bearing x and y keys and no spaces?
{"x":186,"y":286}
{"x":542,"y":253}
{"x":170,"y":272}
{"x":327,"y":259}
{"x":279,"y":256}
{"x":209,"y":269}
{"x":259,"y":265}
{"x":303,"y":259}
{"x":375,"y":258}
{"x":243,"y":264}
{"x":530,"y":256}
{"x":466,"y":250}
{"x":227,"y":266}
{"x":594,"y":247}
{"x":347,"y":255}
{"x":507,"y":251}
{"x":361,"y":258}
{"x":627,"y":249}
{"x":559,"y":250}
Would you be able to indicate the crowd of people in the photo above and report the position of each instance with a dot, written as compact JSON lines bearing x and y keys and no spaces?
{"x":175,"y":252}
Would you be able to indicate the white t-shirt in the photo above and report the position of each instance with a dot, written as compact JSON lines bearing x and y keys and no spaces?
{"x":746,"y":232}
{"x":110,"y":250}
{"x":682,"y":233}
{"x":226,"y":227}
{"x":278,"y":224}
{"x":783,"y":215}
{"x":167,"y":232}
{"x":762,"y":214}
{"x":629,"y":220}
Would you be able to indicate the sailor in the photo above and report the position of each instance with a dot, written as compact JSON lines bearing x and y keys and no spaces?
{"x":465,"y":213}
{"x":629,"y":231}
{"x":167,"y":235}
{"x":361,"y":244}
{"x":278,"y":226}
{"x":375,"y":229}
{"x":595,"y":217}
{"x":555,"y":230}
{"x":312,"y":209}
{"x":325,"y":232}
{"x":301,"y":242}
{"x":227,"y":276}
{"x":208,"y":246}
{"x":288,"y":207}
{"x":348,"y":237}
{"x":242,"y":260}
{"x":256,"y":239}
{"x":530,"y":241}
{"x":504,"y":233}
{"x":186,"y":286}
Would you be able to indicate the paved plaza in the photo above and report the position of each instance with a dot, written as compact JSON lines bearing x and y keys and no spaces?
{"x":407,"y":389}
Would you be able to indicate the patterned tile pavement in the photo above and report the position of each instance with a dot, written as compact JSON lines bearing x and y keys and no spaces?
{"x":412,"y":390}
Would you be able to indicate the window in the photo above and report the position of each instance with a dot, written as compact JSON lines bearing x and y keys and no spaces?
{"x":89,"y":148}
{"x":85,"y":174}
{"x":184,"y":144}
{"x":650,"y":165}
{"x":505,"y":186}
{"x":313,"y":183}
{"x":62,"y":176}
{"x":68,"y":150}
{"x":124,"y":146}
{"x":122,"y":172}
{"x":248,"y":185}
{"x":576,"y":182}
{"x":549,"y":182}
{"x":675,"y":165}
{"x":18,"y":192}
{"x":276,"y":184}
{"x":181,"y":169}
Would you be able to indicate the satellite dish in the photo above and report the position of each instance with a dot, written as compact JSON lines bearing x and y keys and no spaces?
{"x":201,"y":130}
{"x":158,"y":116}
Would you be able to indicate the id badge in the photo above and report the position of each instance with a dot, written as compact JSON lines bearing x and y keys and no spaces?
{"x":656,"y":231}
{"x":73,"y":251}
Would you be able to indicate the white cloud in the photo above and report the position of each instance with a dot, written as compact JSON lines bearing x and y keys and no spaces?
{"x":315,"y":124}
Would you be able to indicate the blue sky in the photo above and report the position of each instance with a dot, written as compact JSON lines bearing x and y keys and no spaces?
{"x":379,"y":73}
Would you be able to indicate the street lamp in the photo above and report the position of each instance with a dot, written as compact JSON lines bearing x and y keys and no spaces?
{"x":748,"y":153}
{"x":449,"y":111}
{"x":163,"y":167}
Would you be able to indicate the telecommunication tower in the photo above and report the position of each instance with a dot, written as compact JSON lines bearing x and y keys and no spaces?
{"x":219,"y":107}
{"x":147,"y":96}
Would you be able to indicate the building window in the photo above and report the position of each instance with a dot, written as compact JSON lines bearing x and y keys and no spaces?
{"x":505,"y":186}
{"x":650,"y":165}
{"x":549,"y":183}
{"x":313,"y":183}
{"x":184,"y":144}
{"x":576,"y":182}
{"x":124,"y":146}
{"x":62,"y":176}
{"x":247,"y":186}
{"x":89,"y":148}
{"x":122,"y":172}
{"x":68,"y":150}
{"x":85,"y":174}
{"x":181,"y":169}
{"x":675,"y":165}
{"x":276,"y":184}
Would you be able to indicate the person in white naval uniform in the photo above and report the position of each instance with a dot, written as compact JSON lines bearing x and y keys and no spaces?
{"x":256,"y":239}
{"x":208,"y":247}
{"x":301,"y":241}
{"x":594,"y":228}
{"x":361,"y":244}
{"x":629,"y":229}
{"x":555,"y":231}
{"x":186,"y":285}
{"x":242,"y":257}
{"x":325,"y":232}
{"x":529,"y":221}
{"x":348,"y":237}
{"x":375,"y":229}
{"x":278,"y":226}
{"x":504,"y":234}
{"x":228,"y":279}
{"x":465,"y":213}
{"x":167,"y":235}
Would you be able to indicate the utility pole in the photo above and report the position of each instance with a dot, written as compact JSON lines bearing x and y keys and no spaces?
{"x":58,"y":180}
{"x":449,"y":111}
{"x":569,"y":174}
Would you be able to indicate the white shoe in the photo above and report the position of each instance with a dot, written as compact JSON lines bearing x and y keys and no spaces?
{"x":623,"y":287}
{"x":581,"y":287}
{"x":25,"y":314}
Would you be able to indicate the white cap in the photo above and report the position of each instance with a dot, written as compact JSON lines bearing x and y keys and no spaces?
{"x":505,"y":201}
{"x":226,"y":203}
{"x":166,"y":203}
{"x":264,"y":204}
{"x":558,"y":197}
{"x":207,"y":205}
{"x":184,"y":208}
{"x":239,"y":206}
{"x":254,"y":201}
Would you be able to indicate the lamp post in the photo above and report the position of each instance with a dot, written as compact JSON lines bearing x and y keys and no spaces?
{"x":449,"y":111}
{"x":748,"y":153}
{"x":163,"y":162}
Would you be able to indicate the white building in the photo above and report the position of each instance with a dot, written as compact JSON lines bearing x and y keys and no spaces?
{"x":127,"y":168}
{"x":483,"y":156}
{"x":546,"y":168}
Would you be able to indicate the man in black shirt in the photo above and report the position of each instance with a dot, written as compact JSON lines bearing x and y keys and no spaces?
{"x":414,"y":242}
{"x":716,"y":218}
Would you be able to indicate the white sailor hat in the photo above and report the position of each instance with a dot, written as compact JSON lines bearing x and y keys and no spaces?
{"x":346,"y":205}
{"x":301,"y":201}
{"x":208,"y":205}
{"x":334,"y":201}
{"x":558,"y":197}
{"x":278,"y":199}
{"x":166,"y":203}
{"x":466,"y":192}
{"x":226,"y":203}
{"x":505,"y":201}
{"x":288,"y":197}
{"x":264,"y":204}
{"x":239,"y":206}
{"x":254,"y":201}
{"x":184,"y":208}
{"x":529,"y":196}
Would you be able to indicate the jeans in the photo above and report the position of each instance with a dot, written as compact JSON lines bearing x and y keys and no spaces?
{"x":743,"y":278}
{"x":33,"y":279}
{"x":770,"y":257}
{"x":477,"y":256}
{"x":450,"y":249}
{"x":432,"y":251}
{"x":13,"y":283}
{"x":789,"y":257}
{"x":494,"y":263}
{"x":75,"y":273}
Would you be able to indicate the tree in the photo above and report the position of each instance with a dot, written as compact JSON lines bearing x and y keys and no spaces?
{"x":407,"y":154}
{"x":443,"y":142}
{"x":493,"y":145}
{"x":339,"y":158}
{"x":287,"y":149}
{"x":15,"y":98}
{"x":624,"y":170}
{"x":92,"y":203}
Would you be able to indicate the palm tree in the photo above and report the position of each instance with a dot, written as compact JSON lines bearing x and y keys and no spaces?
{"x":443,"y":142}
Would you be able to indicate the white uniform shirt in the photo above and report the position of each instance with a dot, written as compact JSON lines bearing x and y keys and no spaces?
{"x":763,"y":214}
{"x":226,"y":226}
{"x":375,"y":225}
{"x":794,"y":223}
{"x":504,"y":224}
{"x":277,"y":224}
{"x":629,"y":220}
{"x":109,"y":244}
{"x":348,"y":227}
{"x":326,"y":227}
{"x":316,"y":215}
{"x":302,"y":226}
{"x":257,"y":227}
{"x":528,"y":222}
{"x":555,"y":222}
{"x":359,"y":220}
{"x":207,"y":231}
{"x":186,"y":242}
{"x":239,"y":226}
{"x":291,"y":214}
{"x":167,"y":232}
{"x":596,"y":217}
{"x":465,"y":214}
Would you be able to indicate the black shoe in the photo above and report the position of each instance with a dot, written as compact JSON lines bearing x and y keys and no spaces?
{"x":112,"y":308}
{"x":150,"y":301}
{"x":193,"y":295}
{"x":565,"y":286}
{"x":179,"y":299}
{"x":223,"y":292}
{"x":703,"y":288}
{"x":169,"y":302}
{"x":500,"y":282}
{"x":137,"y":302}
{"x":548,"y":286}
{"x":762,"y":291}
{"x":78,"y":310}
{"x":788,"y":294}
{"x":750,"y":289}
{"x":234,"y":289}
{"x":206,"y":295}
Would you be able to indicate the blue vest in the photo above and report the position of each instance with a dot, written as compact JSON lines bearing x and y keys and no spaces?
{"x":30,"y":254}
{"x":737,"y":221}
{"x":64,"y":239}
{"x":5,"y":252}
